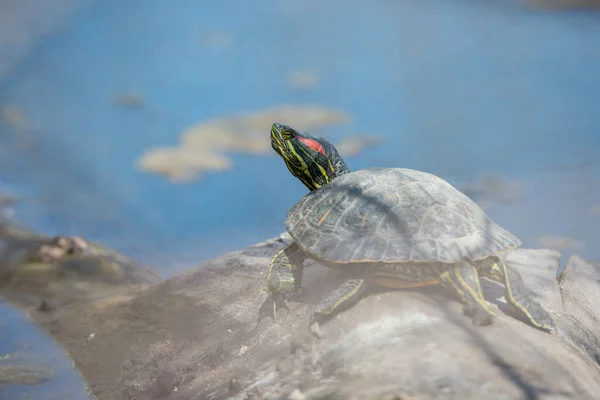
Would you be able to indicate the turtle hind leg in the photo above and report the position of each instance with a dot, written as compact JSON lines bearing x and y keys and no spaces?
{"x":517,"y":295}
{"x":343,"y":297}
{"x":285,"y":275}
{"x":463,"y":280}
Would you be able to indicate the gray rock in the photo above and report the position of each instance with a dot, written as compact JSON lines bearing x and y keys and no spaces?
{"x":210,"y":331}
{"x":63,"y":266}
{"x":407,"y":344}
{"x":580,"y":294}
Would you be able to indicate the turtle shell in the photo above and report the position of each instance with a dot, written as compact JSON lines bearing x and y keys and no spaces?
{"x":394,"y":215}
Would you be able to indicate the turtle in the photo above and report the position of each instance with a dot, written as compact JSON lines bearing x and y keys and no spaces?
{"x":389,"y":227}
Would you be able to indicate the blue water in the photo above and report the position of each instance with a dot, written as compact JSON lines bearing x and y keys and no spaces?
{"x":24,"y":343}
{"x":460,"y":89}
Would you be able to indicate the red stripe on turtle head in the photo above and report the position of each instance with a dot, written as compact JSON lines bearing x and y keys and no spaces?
{"x":313,"y":144}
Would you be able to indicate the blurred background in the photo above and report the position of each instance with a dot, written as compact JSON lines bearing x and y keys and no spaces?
{"x":145,"y":124}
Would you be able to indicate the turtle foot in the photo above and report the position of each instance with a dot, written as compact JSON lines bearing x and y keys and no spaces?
{"x":479,"y":316}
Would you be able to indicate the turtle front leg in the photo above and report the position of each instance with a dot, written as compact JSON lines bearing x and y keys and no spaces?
{"x":517,"y":295}
{"x":285,"y":275}
{"x":345,"y":295}
{"x":463,"y":280}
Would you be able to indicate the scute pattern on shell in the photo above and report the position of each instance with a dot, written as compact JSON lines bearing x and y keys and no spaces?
{"x":394,"y":214}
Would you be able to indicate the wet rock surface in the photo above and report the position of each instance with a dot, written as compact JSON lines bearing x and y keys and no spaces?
{"x":63,"y":267}
{"x":206,"y":334}
{"x":43,"y":274}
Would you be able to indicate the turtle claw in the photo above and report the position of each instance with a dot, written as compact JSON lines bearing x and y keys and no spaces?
{"x":313,"y":325}
{"x":315,"y":329}
{"x":279,"y":302}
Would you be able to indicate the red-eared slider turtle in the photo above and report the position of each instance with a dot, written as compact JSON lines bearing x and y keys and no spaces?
{"x":399,"y":227}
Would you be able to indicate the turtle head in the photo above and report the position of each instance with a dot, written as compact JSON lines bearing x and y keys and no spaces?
{"x":311,"y":159}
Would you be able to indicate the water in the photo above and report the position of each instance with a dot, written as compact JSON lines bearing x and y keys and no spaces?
{"x":24,"y":343}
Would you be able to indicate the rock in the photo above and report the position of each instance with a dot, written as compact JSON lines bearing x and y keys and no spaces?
{"x":205,"y":334}
{"x":63,"y":267}
{"x":580,"y":289}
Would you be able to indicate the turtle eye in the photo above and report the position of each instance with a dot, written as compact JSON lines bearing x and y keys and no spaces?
{"x":287,"y":135}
